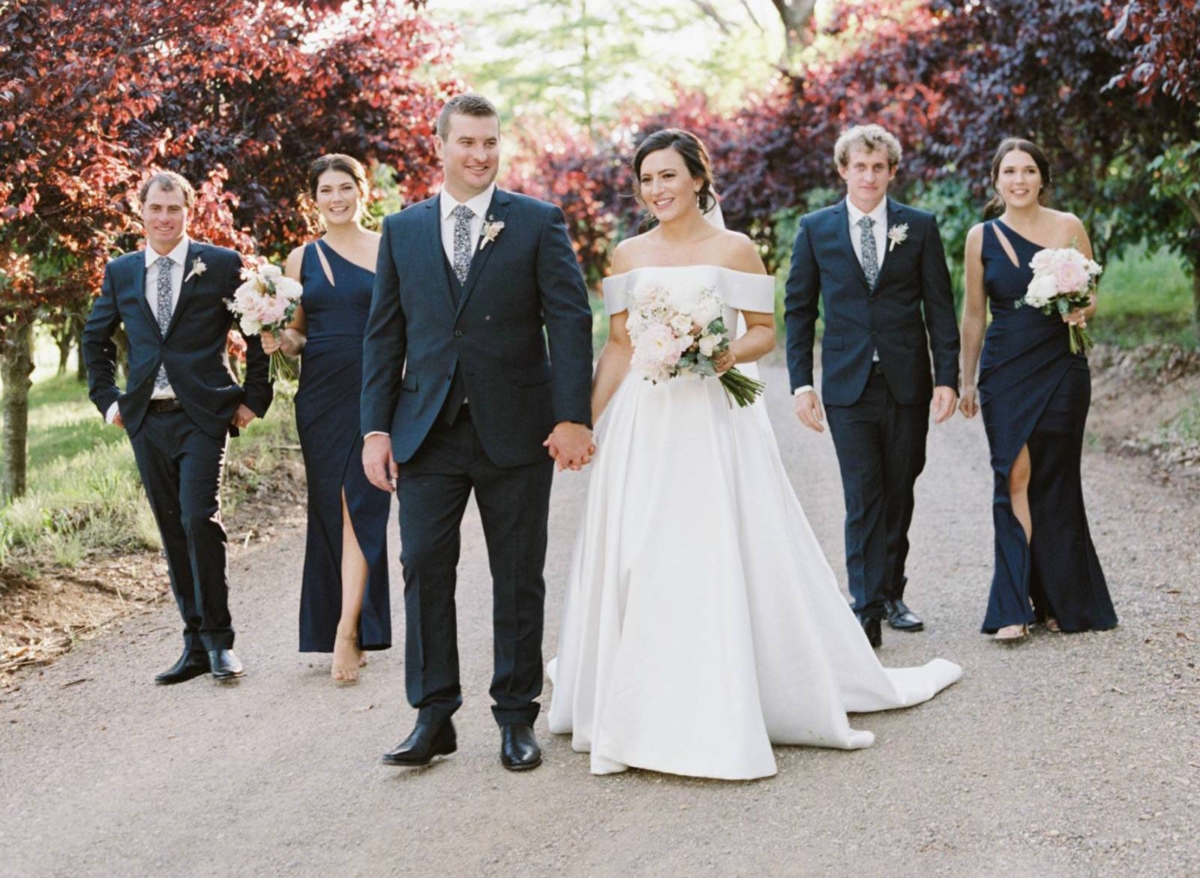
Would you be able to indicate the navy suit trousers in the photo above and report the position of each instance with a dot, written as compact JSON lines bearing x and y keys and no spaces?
{"x":514,"y":503}
{"x":881,"y":450}
{"x":181,"y":467}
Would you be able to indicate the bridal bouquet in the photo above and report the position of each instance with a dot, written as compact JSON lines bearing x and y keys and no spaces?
{"x":669,"y":340}
{"x":266,"y":302}
{"x":1063,"y":279}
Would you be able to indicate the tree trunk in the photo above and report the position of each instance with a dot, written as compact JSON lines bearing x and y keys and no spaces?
{"x":795,"y":15}
{"x":16,"y":365}
{"x":64,"y":338}
{"x":77,"y":324}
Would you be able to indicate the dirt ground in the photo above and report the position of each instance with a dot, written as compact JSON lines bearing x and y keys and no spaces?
{"x":1071,"y":755}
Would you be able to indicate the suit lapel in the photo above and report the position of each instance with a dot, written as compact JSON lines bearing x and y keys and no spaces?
{"x":496,"y":213}
{"x":437,"y":254}
{"x":189,"y":284}
{"x":842,"y":218}
{"x":895,"y":217}
{"x":139,"y":289}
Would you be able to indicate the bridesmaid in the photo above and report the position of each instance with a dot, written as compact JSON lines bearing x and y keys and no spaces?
{"x":1034,"y":394}
{"x":344,"y":601}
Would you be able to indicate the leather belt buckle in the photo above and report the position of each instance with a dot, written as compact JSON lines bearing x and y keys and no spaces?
{"x":162,"y":406}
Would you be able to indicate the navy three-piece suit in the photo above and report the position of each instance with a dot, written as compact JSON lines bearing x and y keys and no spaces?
{"x":469,"y":380}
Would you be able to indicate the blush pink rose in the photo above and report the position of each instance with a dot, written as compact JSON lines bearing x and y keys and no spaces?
{"x":1070,"y":277}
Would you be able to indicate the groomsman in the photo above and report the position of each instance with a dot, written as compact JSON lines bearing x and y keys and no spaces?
{"x":180,"y":405}
{"x":879,"y":271}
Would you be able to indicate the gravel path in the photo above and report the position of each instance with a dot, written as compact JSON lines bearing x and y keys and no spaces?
{"x":1073,"y":755}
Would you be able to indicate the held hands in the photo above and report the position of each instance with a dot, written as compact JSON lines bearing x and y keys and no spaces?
{"x":242,"y":417}
{"x":571,"y":446}
{"x":944,"y":401}
{"x":118,"y":420}
{"x":378,"y":464}
{"x":808,"y":410}
{"x":968,"y":403}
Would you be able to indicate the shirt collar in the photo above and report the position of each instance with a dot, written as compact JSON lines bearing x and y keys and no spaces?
{"x":478,"y":205}
{"x":178,"y":255}
{"x":879,"y":214}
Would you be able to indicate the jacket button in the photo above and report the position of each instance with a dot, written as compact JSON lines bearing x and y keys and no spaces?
{"x":458,"y":333}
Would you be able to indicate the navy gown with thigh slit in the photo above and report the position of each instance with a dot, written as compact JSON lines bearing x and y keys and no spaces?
{"x":327,"y":418}
{"x":1034,"y":392}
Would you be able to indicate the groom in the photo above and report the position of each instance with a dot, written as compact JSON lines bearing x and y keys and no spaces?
{"x":879,"y":270}
{"x":180,"y":405}
{"x":477,"y":362}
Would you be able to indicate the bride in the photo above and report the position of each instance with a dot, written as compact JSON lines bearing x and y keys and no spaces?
{"x":702,"y":623}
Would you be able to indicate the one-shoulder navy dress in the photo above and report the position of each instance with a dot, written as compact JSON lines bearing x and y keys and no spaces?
{"x":1033,"y":391}
{"x":327,"y":418}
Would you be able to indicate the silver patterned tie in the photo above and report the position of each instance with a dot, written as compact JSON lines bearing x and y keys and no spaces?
{"x":870,"y":254}
{"x":462,"y":241}
{"x":163,"y":314}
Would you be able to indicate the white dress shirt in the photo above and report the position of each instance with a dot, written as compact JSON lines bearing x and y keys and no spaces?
{"x":879,"y":214}
{"x":477,"y":205}
{"x":178,"y":257}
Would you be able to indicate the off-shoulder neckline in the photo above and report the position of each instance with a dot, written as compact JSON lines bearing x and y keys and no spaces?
{"x":696,"y":265}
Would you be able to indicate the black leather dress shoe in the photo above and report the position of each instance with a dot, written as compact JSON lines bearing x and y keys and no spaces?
{"x":193,"y":663}
{"x":872,"y":629}
{"x":225,"y":664}
{"x":902,"y":618}
{"x":519,"y":750}
{"x":424,"y":742}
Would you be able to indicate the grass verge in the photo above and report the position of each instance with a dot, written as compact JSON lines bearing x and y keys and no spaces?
{"x":85,"y":495}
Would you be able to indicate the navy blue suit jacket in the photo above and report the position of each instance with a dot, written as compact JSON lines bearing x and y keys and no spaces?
{"x":910,"y":309}
{"x":521,"y":333}
{"x":193,"y":349}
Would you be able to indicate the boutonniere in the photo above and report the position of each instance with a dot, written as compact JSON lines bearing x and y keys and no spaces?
{"x":198,"y":268}
{"x":897,"y":235}
{"x":491,"y":231}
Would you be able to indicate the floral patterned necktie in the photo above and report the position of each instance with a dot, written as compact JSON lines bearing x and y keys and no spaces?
{"x":462,"y":242}
{"x":870,"y":254}
{"x":164,"y":264}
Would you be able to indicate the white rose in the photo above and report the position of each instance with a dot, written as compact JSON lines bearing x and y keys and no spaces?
{"x":681,"y":325}
{"x":709,"y":343}
{"x":1041,"y":291}
{"x":271,"y":271}
{"x":706,"y":311}
{"x":288,"y":288}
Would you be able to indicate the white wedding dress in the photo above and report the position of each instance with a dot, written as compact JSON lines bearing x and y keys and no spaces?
{"x":702,"y":623}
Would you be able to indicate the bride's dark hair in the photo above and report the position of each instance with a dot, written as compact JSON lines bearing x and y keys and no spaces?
{"x":695,"y":158}
{"x":995,"y":207}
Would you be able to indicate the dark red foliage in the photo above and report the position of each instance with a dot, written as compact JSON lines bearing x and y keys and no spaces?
{"x":238,"y":96}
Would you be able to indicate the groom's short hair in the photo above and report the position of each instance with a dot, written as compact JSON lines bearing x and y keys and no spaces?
{"x":466,"y":105}
{"x":167,"y":181}
{"x":870,"y":138}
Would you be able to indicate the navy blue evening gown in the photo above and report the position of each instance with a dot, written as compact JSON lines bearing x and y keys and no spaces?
{"x":1033,"y":391}
{"x":327,"y":418}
